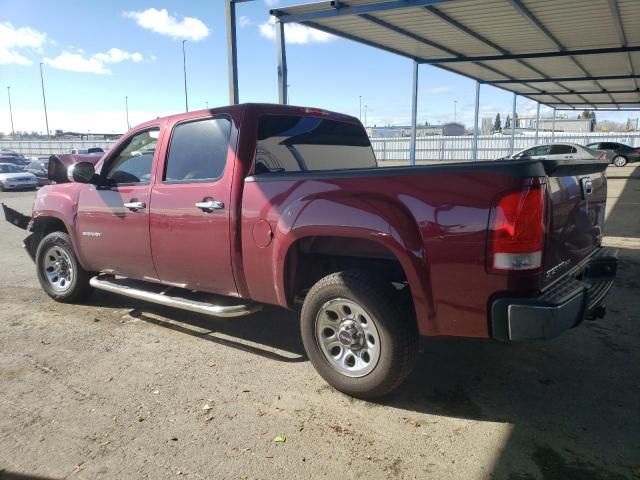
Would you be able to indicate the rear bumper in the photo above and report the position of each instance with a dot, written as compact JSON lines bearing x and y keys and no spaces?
{"x":560,"y":308}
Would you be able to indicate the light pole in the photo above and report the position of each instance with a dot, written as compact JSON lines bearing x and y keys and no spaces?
{"x":455,"y":110}
{"x":126,"y":109}
{"x":13,"y":133}
{"x":207,"y":103}
{"x":44,"y":100}
{"x":365,"y":115}
{"x":184,"y":67}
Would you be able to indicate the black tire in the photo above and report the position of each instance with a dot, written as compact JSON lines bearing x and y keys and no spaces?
{"x":393,"y":317}
{"x":78,"y":288}
{"x":619,"y":161}
{"x":2,"y":189}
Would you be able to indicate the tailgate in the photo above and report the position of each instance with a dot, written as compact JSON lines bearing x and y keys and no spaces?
{"x":577,"y":193}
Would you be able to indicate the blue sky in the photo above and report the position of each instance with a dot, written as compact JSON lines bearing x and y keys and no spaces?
{"x":133,"y":49}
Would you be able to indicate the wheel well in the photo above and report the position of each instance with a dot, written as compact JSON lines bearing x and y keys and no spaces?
{"x":312,"y":258}
{"x":43,"y":226}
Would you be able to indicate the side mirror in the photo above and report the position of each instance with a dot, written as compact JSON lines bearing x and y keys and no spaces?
{"x":81,"y":172}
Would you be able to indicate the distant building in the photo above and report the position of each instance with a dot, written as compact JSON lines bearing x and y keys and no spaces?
{"x":446,"y":129}
{"x":584,"y":125}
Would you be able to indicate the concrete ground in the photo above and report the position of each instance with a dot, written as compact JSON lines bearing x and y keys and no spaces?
{"x":122,"y":389}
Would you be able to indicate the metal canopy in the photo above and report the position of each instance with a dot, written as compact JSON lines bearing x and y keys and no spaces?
{"x":568,"y":54}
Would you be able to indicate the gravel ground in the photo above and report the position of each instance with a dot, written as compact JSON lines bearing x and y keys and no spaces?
{"x":121,"y":389}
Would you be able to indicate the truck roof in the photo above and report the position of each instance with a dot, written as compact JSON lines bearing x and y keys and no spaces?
{"x":253,"y":108}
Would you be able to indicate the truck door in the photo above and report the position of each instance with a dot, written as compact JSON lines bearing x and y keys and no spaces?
{"x":190,"y":230}
{"x":113,"y":218}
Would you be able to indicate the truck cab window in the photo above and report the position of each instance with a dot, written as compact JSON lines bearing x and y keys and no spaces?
{"x":133,"y":164}
{"x":198,"y":151}
{"x":288,"y":143}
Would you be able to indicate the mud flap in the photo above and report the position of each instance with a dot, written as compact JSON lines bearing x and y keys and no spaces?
{"x":16,"y":218}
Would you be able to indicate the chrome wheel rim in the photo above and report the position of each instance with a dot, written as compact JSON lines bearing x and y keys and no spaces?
{"x":619,"y":161}
{"x":58,"y":269}
{"x":347,"y":337}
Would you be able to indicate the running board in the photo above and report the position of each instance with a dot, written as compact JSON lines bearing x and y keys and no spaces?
{"x":145,"y":291}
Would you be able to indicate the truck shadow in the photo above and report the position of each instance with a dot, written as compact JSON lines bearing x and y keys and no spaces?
{"x":271,"y":333}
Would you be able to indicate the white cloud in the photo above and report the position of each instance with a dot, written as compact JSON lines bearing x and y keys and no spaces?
{"x":244,"y":21}
{"x":77,"y":62}
{"x":159,"y":21}
{"x":271,"y":3}
{"x":295,"y":33}
{"x":438,"y":90}
{"x":14,"y":39}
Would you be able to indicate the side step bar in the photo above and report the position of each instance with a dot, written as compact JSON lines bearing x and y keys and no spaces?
{"x":143,"y":291}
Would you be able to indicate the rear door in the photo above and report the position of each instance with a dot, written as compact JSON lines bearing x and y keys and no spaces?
{"x":190,"y":229}
{"x":562,"y":152}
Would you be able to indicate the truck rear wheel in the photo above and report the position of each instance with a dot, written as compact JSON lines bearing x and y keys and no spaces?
{"x":59,"y":272}
{"x":356,"y":334}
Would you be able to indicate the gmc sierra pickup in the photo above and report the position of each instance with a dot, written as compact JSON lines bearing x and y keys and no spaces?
{"x":219,"y":211}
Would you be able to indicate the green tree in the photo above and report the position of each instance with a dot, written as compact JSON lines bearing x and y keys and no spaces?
{"x":507,"y":123}
{"x":497,"y":124}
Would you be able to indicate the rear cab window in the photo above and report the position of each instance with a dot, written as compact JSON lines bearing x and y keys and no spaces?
{"x":289,"y":143}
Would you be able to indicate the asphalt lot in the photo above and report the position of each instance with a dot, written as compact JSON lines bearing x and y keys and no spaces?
{"x":121,"y":389}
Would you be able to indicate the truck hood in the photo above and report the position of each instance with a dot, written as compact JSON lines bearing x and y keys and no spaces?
{"x":58,"y":165}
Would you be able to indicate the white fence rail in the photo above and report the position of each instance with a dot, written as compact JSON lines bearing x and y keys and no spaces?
{"x":430,"y":149}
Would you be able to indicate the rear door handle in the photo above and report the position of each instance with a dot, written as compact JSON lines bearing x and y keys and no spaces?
{"x":135,"y":205}
{"x":210,"y":205}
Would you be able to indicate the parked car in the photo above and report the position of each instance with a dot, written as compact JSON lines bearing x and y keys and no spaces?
{"x":222,"y":211}
{"x":39,"y":168}
{"x":13,"y":177}
{"x":557,"y":151}
{"x":617,"y":153}
{"x":12,"y":160}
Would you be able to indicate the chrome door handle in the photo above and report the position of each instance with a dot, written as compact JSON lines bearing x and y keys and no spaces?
{"x":210,"y":205}
{"x":135,"y":206}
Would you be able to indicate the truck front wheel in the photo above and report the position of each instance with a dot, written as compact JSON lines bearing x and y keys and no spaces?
{"x":357,"y":334}
{"x":59,"y":272}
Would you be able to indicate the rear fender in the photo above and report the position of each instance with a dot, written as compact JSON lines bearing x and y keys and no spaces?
{"x":370,"y":218}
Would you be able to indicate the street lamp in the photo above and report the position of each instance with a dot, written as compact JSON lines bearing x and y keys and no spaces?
{"x":44,"y":100}
{"x":126,"y":109}
{"x":13,"y":133}
{"x":365,"y":115}
{"x":184,"y":68}
{"x":455,"y":109}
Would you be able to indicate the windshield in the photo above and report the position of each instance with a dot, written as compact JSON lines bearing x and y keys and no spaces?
{"x":10,"y":169}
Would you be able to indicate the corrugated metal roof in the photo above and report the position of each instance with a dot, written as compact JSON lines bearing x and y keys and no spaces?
{"x":565,"y":53}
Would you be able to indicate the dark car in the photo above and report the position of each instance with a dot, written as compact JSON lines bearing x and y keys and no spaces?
{"x":12,"y":159}
{"x":618,"y":153}
{"x":39,"y":169}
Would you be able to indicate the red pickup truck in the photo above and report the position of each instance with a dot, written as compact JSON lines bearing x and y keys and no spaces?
{"x":220,"y":211}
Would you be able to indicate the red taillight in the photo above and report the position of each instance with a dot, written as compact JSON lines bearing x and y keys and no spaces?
{"x":517,"y":230}
{"x":317,"y":111}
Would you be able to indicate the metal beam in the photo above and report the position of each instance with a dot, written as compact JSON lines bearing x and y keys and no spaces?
{"x":476,"y":114}
{"x":330,"y":9}
{"x":622,"y":37}
{"x":524,"y":11}
{"x":584,"y":92}
{"x":348,"y":36}
{"x":432,"y":44}
{"x":282,"y":62}
{"x":414,"y":115}
{"x":465,"y":29}
{"x":232,"y":52}
{"x":564,"y":79}
{"x":512,"y":143}
{"x":537,"y":122}
{"x":531,"y":55}
{"x":637,"y":102}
